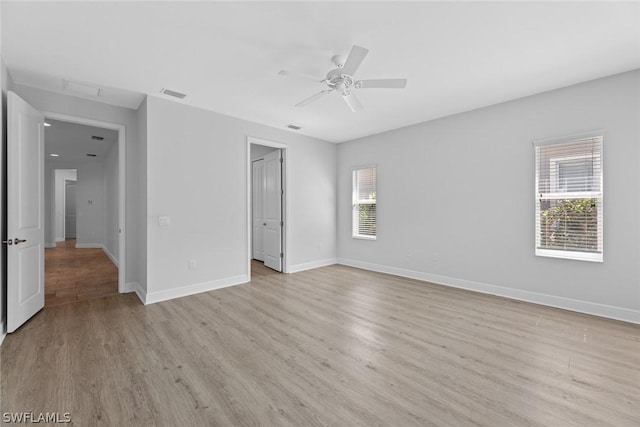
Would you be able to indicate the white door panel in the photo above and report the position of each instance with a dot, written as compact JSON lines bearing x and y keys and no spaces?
{"x":273,"y":210}
{"x":25,"y":211}
{"x":257,"y":206}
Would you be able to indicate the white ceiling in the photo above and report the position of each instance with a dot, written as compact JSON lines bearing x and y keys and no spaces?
{"x":226,"y":56}
{"x":72,"y":142}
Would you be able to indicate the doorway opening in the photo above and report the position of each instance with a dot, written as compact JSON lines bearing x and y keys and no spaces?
{"x":267,"y":201}
{"x":83,"y":210}
{"x":70,"y":211}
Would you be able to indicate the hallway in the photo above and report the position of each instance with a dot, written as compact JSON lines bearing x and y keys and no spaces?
{"x":77,"y":274}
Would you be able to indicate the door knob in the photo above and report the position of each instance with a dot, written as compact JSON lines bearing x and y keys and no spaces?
{"x":8,"y":242}
{"x":16,"y":241}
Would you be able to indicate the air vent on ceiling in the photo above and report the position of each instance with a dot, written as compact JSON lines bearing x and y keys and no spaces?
{"x":97,"y":138}
{"x":294,"y":127}
{"x":81,"y":88}
{"x":91,"y":155}
{"x":173,"y":93}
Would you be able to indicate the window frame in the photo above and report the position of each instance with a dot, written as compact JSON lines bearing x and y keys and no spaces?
{"x":554,"y":164}
{"x":355,"y":203}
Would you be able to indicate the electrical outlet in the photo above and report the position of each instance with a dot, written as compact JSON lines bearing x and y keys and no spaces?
{"x":192,"y":264}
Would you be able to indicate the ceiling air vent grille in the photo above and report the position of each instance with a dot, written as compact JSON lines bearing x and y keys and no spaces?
{"x":81,"y":88}
{"x":91,"y":155}
{"x":97,"y":138}
{"x":294,"y":127}
{"x":173,"y":93}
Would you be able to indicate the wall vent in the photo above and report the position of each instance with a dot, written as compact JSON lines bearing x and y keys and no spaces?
{"x":97,"y":138}
{"x":91,"y":155}
{"x":173,"y":93}
{"x":294,"y":127}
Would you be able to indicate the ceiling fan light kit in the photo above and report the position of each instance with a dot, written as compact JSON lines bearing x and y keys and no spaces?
{"x":340,"y":80}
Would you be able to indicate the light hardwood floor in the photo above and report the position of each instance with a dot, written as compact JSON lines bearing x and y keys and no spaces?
{"x":332,"y":346}
{"x":73,"y":274}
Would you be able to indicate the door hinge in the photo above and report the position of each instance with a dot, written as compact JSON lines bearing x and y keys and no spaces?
{"x":281,"y":255}
{"x":281,"y":223}
{"x":281,"y":159}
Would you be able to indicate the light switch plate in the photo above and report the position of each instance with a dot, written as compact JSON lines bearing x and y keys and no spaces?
{"x":163,"y":221}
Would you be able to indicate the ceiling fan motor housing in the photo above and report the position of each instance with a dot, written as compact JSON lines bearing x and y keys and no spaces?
{"x":338,"y":81}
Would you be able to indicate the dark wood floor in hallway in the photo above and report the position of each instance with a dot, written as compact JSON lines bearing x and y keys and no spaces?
{"x":73,"y":274}
{"x":333,"y":346}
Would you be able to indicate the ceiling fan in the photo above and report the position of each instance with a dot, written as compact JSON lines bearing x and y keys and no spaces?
{"x":340,"y":80}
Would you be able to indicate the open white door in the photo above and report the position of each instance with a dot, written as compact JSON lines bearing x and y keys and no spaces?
{"x":25,"y":211}
{"x":273,"y":210}
{"x":259,"y":224}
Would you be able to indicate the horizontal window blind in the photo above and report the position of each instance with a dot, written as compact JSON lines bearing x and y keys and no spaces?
{"x":569,"y":194}
{"x":364,"y":203}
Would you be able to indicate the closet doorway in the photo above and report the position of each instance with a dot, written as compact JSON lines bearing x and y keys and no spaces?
{"x":267,"y":206}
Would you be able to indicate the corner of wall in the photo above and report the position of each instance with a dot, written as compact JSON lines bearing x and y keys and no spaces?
{"x":142,"y":117}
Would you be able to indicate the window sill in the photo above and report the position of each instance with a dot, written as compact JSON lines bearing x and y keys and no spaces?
{"x":577,"y":256}
{"x":361,"y":237}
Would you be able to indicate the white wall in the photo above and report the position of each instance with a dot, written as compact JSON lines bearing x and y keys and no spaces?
{"x":60,"y":175}
{"x":141,"y":232}
{"x":63,"y":104}
{"x":111,"y":204}
{"x":197,"y":175}
{"x":90,"y":205}
{"x":456,"y":199}
{"x":91,"y":217}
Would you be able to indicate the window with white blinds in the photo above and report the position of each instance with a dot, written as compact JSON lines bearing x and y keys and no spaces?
{"x":364,"y":203}
{"x":569,"y":214}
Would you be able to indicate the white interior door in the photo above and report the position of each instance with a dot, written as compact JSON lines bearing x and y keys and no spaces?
{"x":259,"y":225}
{"x":70,"y":209}
{"x":25,"y":211}
{"x":273,"y":210}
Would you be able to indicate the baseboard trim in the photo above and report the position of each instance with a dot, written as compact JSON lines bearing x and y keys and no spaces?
{"x":49,"y":245}
{"x":313,"y":264}
{"x":129,"y":287}
{"x":111,"y":256}
{"x":3,"y":332}
{"x":154,"y":297}
{"x":59,"y":239}
{"x":586,"y":307}
{"x":89,"y":246}
{"x":140,"y":292}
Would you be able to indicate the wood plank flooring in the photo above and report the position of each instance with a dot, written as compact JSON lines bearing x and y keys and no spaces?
{"x":334,"y":346}
{"x":77,"y":274}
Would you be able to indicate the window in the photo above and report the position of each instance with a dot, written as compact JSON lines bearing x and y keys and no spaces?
{"x":569,"y":198}
{"x":364,"y":203}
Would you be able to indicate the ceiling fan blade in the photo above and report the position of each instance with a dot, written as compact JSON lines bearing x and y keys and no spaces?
{"x":303,"y":76}
{"x":352,"y":101}
{"x":354,"y":60}
{"x":312,"y":98}
{"x":382,"y":83}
